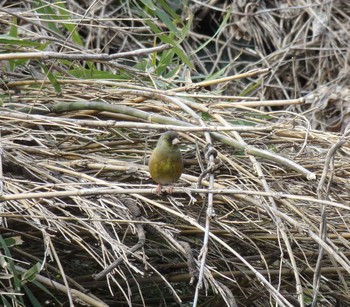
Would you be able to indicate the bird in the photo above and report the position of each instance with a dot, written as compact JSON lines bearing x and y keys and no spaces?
{"x":165,"y":164}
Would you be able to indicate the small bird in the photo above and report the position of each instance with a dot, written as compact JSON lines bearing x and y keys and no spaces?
{"x":165,"y":163}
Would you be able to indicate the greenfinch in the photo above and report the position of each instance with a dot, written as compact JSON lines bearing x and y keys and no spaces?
{"x":165,"y":164}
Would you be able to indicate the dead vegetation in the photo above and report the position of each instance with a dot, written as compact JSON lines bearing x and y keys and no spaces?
{"x":261,"y":213}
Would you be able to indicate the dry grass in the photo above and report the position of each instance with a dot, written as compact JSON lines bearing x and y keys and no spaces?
{"x":269,"y":222}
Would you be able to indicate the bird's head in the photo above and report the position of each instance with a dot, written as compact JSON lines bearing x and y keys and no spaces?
{"x":169,"y":139}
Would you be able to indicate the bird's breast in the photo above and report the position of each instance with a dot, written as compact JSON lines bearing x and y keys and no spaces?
{"x":165,"y":168}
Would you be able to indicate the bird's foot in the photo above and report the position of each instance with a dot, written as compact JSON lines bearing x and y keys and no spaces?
{"x":159,"y":189}
{"x":171,"y":189}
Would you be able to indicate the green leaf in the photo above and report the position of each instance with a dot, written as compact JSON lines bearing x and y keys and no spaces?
{"x":12,"y":241}
{"x":5,"y":302}
{"x":250,"y":88}
{"x":16,"y":282}
{"x":223,"y":24}
{"x":10,"y":40}
{"x":173,"y":72}
{"x":14,"y":29}
{"x":173,"y":38}
{"x":86,"y":73}
{"x":217,"y":74}
{"x":169,"y":10}
{"x":30,"y":274}
{"x":166,"y":20}
{"x":186,"y":29}
{"x":44,"y":289}
{"x":30,"y":296}
{"x":149,"y":4}
{"x":242,"y":122}
{"x":52,"y":79}
{"x":169,"y":40}
{"x":165,"y":61}
{"x":142,"y":65}
{"x":47,"y":13}
{"x":72,"y":28}
{"x":205,"y":116}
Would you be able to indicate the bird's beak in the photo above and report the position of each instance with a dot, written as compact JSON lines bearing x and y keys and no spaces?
{"x":175,"y":141}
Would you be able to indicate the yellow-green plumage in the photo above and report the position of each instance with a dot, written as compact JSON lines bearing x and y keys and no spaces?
{"x":165,"y":163}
